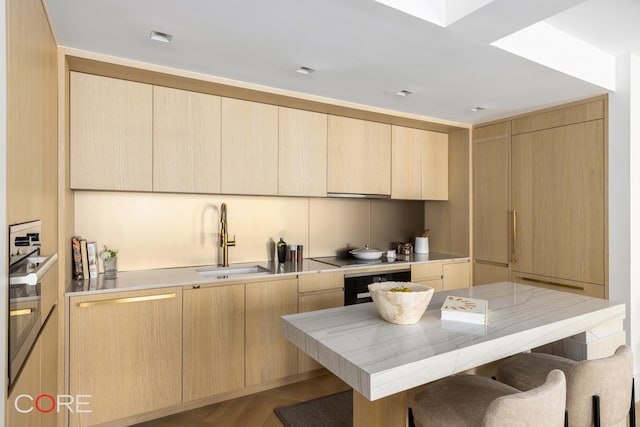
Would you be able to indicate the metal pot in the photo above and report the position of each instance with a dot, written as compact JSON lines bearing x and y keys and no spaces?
{"x":366,"y":253}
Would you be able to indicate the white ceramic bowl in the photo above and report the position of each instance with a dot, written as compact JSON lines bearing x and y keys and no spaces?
{"x":402,"y":308}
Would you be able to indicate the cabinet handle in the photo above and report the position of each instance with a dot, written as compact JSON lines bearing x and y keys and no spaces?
{"x":514,"y":230}
{"x":547,"y":282}
{"x":125,"y":300}
{"x":21,"y":312}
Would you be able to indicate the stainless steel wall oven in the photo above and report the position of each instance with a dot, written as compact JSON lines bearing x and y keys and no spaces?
{"x":27,"y":313}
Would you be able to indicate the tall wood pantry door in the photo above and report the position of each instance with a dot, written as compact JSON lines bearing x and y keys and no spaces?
{"x":557,"y":184}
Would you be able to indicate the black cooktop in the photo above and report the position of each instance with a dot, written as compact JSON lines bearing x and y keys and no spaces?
{"x":351,"y":261}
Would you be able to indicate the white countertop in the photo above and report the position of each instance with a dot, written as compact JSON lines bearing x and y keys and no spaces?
{"x":186,"y":276}
{"x":379,"y":359}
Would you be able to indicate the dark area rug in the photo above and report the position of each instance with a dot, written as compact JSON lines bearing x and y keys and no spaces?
{"x":335,"y":410}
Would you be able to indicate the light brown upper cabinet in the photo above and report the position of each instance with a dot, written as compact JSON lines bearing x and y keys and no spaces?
{"x":110,"y":133}
{"x":491,"y":186}
{"x":302,"y":153}
{"x":186,"y":141}
{"x":419,"y":167}
{"x":359,"y":156}
{"x":249,"y":148}
{"x":558,"y":194}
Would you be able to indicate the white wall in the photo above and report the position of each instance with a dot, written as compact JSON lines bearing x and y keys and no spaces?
{"x":624,"y":198}
{"x":3,"y":200}
{"x":634,"y":212}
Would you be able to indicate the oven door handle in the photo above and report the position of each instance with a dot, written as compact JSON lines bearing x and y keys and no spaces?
{"x":363,"y":295}
{"x":34,"y":277}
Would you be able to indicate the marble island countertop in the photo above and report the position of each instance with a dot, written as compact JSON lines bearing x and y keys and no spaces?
{"x":187,"y":276}
{"x":379,"y":359}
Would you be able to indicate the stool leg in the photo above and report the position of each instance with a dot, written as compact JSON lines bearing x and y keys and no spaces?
{"x":596,"y":411}
{"x":632,"y":411}
{"x":566,"y":418}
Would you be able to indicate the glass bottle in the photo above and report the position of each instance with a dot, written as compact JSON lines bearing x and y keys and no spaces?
{"x":282,"y":250}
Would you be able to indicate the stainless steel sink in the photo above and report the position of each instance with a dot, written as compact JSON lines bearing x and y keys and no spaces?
{"x":232,"y":271}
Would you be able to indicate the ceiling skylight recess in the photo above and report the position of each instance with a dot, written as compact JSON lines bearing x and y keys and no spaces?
{"x":547,"y":45}
{"x":439,"y":12}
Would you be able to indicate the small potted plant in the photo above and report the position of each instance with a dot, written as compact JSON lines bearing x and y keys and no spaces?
{"x":109,"y":262}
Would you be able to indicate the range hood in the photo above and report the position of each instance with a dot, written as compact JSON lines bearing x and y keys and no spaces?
{"x":359,"y":196}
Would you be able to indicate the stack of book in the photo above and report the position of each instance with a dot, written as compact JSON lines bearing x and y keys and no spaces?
{"x":462,"y":309}
{"x":84,"y":256}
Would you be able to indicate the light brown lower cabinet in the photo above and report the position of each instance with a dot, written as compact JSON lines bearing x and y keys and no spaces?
{"x":311,"y":302}
{"x":39,"y":376}
{"x":125,"y":351}
{"x":484,"y":273}
{"x":442,"y":276}
{"x":318,"y":292}
{"x":455,"y":275}
{"x":213,"y":340}
{"x":268,"y":355}
{"x":582,"y":288}
{"x":428,"y":274}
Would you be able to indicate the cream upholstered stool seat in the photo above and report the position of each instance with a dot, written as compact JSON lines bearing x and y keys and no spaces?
{"x":599,"y":391}
{"x":474,"y":401}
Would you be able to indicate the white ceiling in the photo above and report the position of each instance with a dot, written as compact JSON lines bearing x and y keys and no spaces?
{"x":363,"y":51}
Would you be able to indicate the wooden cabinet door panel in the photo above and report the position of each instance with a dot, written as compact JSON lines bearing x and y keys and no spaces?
{"x":359,"y":156}
{"x":29,"y":383}
{"x":302,"y":153}
{"x":580,"y":288}
{"x":125,"y":350}
{"x":491,"y":193}
{"x":406,"y":162}
{"x":321,"y":281}
{"x":110,"y":133}
{"x":313,"y":302}
{"x":268,"y":355}
{"x":249,"y":147}
{"x":435,"y":166}
{"x":427,"y":270}
{"x":489,"y":273}
{"x":213,"y":341}
{"x":186,"y":141}
{"x":455,"y":275}
{"x":419,"y":164}
{"x":558,"y":193}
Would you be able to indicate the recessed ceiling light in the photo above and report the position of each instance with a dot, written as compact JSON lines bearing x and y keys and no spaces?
{"x":305,"y":70}
{"x":160,"y":37}
{"x":403,"y":93}
{"x":475,"y":109}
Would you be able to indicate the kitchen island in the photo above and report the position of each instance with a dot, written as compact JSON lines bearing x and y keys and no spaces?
{"x":381,"y":361}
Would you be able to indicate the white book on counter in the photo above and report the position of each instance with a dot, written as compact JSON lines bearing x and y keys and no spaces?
{"x":462,"y":309}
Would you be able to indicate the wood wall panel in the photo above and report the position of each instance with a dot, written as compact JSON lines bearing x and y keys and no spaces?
{"x":556,"y":117}
{"x":491,"y":178}
{"x":449,"y":221}
{"x":31,"y":118}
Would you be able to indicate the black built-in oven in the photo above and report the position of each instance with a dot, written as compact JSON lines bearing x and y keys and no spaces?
{"x":356,"y":290}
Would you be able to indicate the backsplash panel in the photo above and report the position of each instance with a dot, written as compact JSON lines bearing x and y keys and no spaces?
{"x":161,"y":230}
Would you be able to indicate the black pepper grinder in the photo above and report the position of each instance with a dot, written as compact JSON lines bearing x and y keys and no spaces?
{"x":282,"y":250}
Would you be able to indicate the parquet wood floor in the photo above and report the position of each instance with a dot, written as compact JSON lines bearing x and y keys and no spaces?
{"x":255,"y":410}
